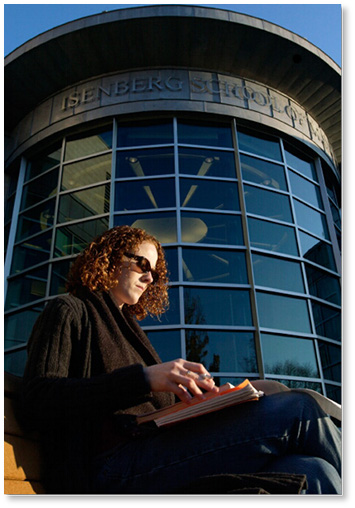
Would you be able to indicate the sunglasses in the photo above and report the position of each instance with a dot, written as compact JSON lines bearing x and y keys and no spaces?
{"x":143,"y":264}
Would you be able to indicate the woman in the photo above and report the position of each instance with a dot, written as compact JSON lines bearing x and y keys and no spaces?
{"x":91,"y":370}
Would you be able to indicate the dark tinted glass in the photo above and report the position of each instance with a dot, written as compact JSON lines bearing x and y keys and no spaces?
{"x":88,"y":145}
{"x":300,"y":162}
{"x":170,"y":317}
{"x":193,"y":133}
{"x":334,"y":392}
{"x":268,"y":204}
{"x":145,"y":194}
{"x":259,"y":145}
{"x":221,"y":351}
{"x":208,"y":194}
{"x":60,"y":272}
{"x":263,"y":172}
{"x":283,"y":313}
{"x":317,"y":251}
{"x":172,"y":263}
{"x":35,"y":220}
{"x":217,"y":307}
{"x":209,"y":265}
{"x":277,"y":273}
{"x":311,"y":220}
{"x":305,"y":190}
{"x":145,"y":162}
{"x":72,"y":239}
{"x":97,"y":169}
{"x":39,"y":189}
{"x":271,"y":236}
{"x":18,"y":326}
{"x":323,"y":285}
{"x":336,"y":215}
{"x":86,"y":203}
{"x":293,"y":383}
{"x":43,"y":162}
{"x":32,"y":252}
{"x":330,"y":356}
{"x":199,"y":227}
{"x":162,"y":225}
{"x":289,"y":356}
{"x":26,"y":289}
{"x":167,"y":343}
{"x":327,"y":321}
{"x":15,"y":362}
{"x":202,"y":162}
{"x":145,"y":134}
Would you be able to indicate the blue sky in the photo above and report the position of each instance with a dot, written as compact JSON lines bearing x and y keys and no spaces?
{"x":319,"y":23}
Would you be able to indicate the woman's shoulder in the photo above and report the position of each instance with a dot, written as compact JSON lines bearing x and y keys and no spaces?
{"x":66,"y":303}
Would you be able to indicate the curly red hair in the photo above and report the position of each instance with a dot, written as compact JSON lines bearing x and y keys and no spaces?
{"x":95,"y":266}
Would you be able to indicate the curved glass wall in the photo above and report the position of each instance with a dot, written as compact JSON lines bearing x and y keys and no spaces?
{"x":251,"y":230}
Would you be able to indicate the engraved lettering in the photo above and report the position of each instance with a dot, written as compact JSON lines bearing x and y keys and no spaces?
{"x":170,"y":86}
{"x":198,"y":84}
{"x":121,"y":87}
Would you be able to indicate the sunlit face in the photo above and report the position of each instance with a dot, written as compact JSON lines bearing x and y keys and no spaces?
{"x":131,"y":281}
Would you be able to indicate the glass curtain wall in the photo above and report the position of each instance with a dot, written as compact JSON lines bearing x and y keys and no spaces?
{"x":248,"y":238}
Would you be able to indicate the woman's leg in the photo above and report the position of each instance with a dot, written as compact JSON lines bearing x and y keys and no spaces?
{"x":241,"y":439}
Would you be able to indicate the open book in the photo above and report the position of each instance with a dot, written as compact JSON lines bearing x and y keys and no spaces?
{"x":228,"y":395}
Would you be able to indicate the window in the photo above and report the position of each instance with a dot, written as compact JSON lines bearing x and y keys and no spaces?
{"x":317,"y":251}
{"x":204,"y":162}
{"x":216,"y":266}
{"x":145,"y":133}
{"x":74,"y":238}
{"x":136,"y":163}
{"x":209,"y":194}
{"x":79,"y":146}
{"x":145,"y":194}
{"x":85,"y":203}
{"x":97,"y":169}
{"x":272,"y":236}
{"x":199,"y":227}
{"x":305,"y":190}
{"x":283,"y":312}
{"x":43,"y":162}
{"x":310,"y":219}
{"x":277,"y":273}
{"x":300,"y":162}
{"x":206,"y":134}
{"x":263,"y":173}
{"x":265,"y":146}
{"x":268,"y":204}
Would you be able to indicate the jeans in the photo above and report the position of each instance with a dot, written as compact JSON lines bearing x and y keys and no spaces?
{"x":284,"y":432}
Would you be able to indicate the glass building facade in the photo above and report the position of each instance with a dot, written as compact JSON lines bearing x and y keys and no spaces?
{"x":249,"y":219}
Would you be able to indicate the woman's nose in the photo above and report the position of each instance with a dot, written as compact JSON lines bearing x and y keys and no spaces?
{"x":148,"y":277}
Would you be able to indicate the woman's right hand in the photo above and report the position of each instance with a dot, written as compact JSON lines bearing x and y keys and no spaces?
{"x":185,"y":379}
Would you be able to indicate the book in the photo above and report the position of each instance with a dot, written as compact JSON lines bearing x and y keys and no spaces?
{"x":228,"y":395}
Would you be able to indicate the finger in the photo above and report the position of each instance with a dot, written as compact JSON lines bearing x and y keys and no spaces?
{"x":204,"y":380}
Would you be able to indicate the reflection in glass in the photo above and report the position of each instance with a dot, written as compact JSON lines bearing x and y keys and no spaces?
{"x":204,"y":306}
{"x":327,"y":321}
{"x":268,"y":204}
{"x":206,"y":134}
{"x":204,"y":162}
{"x":263,"y":172}
{"x":15,"y":362}
{"x":26,"y":289}
{"x":162,"y":225}
{"x":212,"y":265}
{"x":310,"y":219}
{"x":292,"y":383}
{"x":158,"y":161}
{"x":167,"y":343}
{"x":72,"y":239}
{"x":35,"y":220}
{"x":323,"y":285}
{"x":289,"y":356}
{"x":277,"y":273}
{"x":259,"y":144}
{"x":171,"y":316}
{"x":336,"y":215}
{"x":199,"y":227}
{"x":283,"y":312}
{"x":43,"y":162}
{"x":97,"y":169}
{"x":209,"y":194}
{"x":271,"y":236}
{"x":330,"y":356}
{"x":145,"y":194}
{"x":85,"y":203}
{"x":146,"y":133}
{"x":60,"y":272}
{"x":31,"y":252}
{"x":39,"y":189}
{"x":172,"y":263}
{"x":305,"y":190}
{"x":221,"y":351}
{"x":333,"y":392}
{"x":300,"y":163}
{"x":18,"y":326}
{"x":317,"y":251}
{"x":80,"y":147}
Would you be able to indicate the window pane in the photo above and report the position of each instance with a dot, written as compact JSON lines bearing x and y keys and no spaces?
{"x":317,"y":251}
{"x":268,"y":204}
{"x":201,"y":162}
{"x":336,"y":215}
{"x":222,"y":351}
{"x":211,"y":228}
{"x":305,"y":190}
{"x":145,"y":134}
{"x":330,"y":356}
{"x":289,"y":356}
{"x":145,"y":194}
{"x":43,"y":162}
{"x":72,"y":239}
{"x":159,"y":161}
{"x":86,"y":203}
{"x":277,"y":273}
{"x":291,"y":383}
{"x":209,"y":265}
{"x":15,"y":362}
{"x":204,"y":306}
{"x":161,"y":225}
{"x":32,"y":252}
{"x":283,"y":312}
{"x":334,"y":392}
{"x":271,"y":236}
{"x":172,"y":263}
{"x":167,"y":343}
{"x":209,"y":194}
{"x":59,"y":276}
{"x":259,"y":145}
{"x":86,"y":172}
{"x":35,"y":220}
{"x":170,"y":317}
{"x":263,"y":172}
{"x":301,"y":163}
{"x":39,"y":189}
{"x":310,"y":219}
{"x":207,"y":134}
{"x":18,"y":326}
{"x":323,"y":285}
{"x":327,"y":321}
{"x":26,"y":289}
{"x":96,"y":143}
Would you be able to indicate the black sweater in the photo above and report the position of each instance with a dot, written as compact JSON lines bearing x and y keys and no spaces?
{"x":83,"y":379}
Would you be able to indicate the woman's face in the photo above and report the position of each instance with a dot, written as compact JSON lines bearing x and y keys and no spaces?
{"x":131,"y":281}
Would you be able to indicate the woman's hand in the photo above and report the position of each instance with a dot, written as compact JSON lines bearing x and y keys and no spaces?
{"x":179,"y":376}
